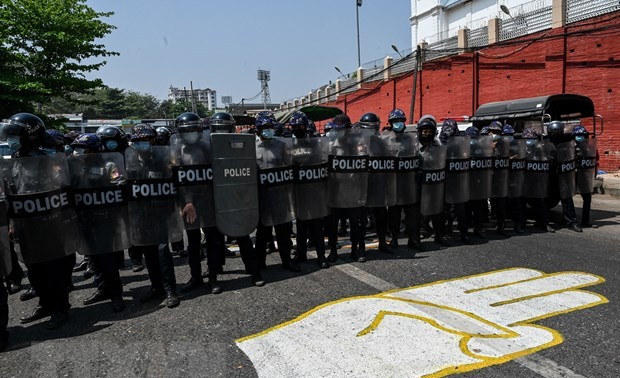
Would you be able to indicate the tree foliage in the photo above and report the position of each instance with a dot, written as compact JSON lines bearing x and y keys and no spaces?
{"x":46,"y":48}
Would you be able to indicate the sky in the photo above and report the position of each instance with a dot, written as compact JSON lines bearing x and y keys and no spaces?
{"x":221,"y":44}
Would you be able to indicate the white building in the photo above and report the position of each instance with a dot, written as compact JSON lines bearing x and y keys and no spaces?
{"x":436,"y":20}
{"x":205,"y":96}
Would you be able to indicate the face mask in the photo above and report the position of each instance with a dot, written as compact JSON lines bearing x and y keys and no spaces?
{"x":299,"y":133}
{"x":580,"y":138}
{"x":398,"y":127}
{"x":142,"y":146}
{"x":191,"y":137}
{"x":111,"y":145}
{"x":50,"y":151}
{"x":14,"y":143}
{"x":267,"y":134}
{"x":79,"y":151}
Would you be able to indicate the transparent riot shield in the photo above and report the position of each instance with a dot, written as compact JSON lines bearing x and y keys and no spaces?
{"x":566,"y":167}
{"x":154,"y":217}
{"x":193,"y":175}
{"x":404,"y":147}
{"x":309,"y":157}
{"x":40,"y":206}
{"x":381,"y":190}
{"x":501,"y":167}
{"x":275,"y":181}
{"x":457,"y":169}
{"x":99,"y":185}
{"x":516,"y":173}
{"x":433,"y":179}
{"x":537,"y":168}
{"x":235,"y":185}
{"x":586,"y":165}
{"x":348,"y":168}
{"x":5,"y":253}
{"x":481,"y":167}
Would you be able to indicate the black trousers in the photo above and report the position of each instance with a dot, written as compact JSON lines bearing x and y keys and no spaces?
{"x":51,"y":281}
{"x":159,"y":266}
{"x":353,"y":215}
{"x":499,"y":205}
{"x":585,"y":209}
{"x":215,"y":251}
{"x":517,"y":210}
{"x":381,"y":221}
{"x":4,"y":308}
{"x":248,"y":255}
{"x":283,"y":237}
{"x":314,"y":229}
{"x":178,"y":246}
{"x":540,"y":209}
{"x":412,"y":220}
{"x":17,"y":273}
{"x":568,"y":210}
{"x":135,"y":254}
{"x":478,"y":210}
{"x":107,"y":276}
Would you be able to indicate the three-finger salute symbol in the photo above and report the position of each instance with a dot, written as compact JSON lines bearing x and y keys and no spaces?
{"x":435,"y":330}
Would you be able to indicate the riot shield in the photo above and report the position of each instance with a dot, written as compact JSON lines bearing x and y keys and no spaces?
{"x":433,"y":179}
{"x":517,"y":168}
{"x":404,"y":147}
{"x":566,"y":166}
{"x":481,"y":167}
{"x":275,"y":181}
{"x":381,"y":190}
{"x":100,"y":196}
{"x":586,"y":165}
{"x":5,"y":253}
{"x":348,"y":168}
{"x":193,"y":175}
{"x":235,"y":183}
{"x":457,"y":169}
{"x":40,"y":207}
{"x":154,"y":217}
{"x":501,"y":167}
{"x":309,"y":157}
{"x":537,"y":168}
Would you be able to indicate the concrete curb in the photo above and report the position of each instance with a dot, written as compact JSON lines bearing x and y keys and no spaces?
{"x":611,"y":184}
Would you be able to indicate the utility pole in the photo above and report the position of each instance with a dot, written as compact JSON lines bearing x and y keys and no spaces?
{"x":191,"y":91}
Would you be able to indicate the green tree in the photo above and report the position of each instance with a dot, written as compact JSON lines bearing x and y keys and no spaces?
{"x":46,"y":48}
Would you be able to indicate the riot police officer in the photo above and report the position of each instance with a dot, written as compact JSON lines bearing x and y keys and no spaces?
{"x":536,"y":180}
{"x":517,"y":154}
{"x":163,"y":136}
{"x":236,"y":224}
{"x":275,"y":191}
{"x":404,"y":147}
{"x":501,"y":172}
{"x":47,"y":253}
{"x":310,"y":189}
{"x":102,"y":230}
{"x":149,"y":169}
{"x":381,"y":191}
{"x":586,"y":170}
{"x":564,"y":159}
{"x":433,"y":162}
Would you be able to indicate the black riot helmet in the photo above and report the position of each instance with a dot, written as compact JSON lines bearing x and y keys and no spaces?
{"x":222,"y":122}
{"x":370,"y":121}
{"x":555,"y":128}
{"x":188,"y":122}
{"x":163,"y":136}
{"x":23,"y":131}
{"x":427,"y":129}
{"x":113,"y":138}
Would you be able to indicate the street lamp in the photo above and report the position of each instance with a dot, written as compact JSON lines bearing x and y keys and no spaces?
{"x":340,"y":72}
{"x":397,"y":52}
{"x":505,"y":9}
{"x":358,"y":3}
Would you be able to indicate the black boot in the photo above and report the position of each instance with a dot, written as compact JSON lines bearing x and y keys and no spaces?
{"x":361,"y":253}
{"x":214,"y":284}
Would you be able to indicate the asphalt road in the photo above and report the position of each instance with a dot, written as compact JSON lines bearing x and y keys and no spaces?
{"x":198,"y":337}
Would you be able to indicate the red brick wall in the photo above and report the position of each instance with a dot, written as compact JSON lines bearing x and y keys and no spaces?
{"x":535,"y":65}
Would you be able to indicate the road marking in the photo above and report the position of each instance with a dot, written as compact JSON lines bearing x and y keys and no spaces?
{"x":452,"y":324}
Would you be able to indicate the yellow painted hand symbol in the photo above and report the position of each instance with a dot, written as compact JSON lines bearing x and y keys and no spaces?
{"x":429,"y":330}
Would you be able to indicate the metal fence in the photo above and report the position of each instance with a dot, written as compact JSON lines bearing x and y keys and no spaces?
{"x":523,"y":19}
{"x":577,"y":10}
